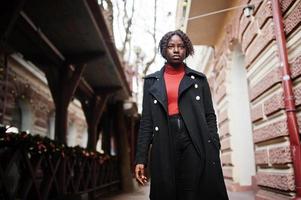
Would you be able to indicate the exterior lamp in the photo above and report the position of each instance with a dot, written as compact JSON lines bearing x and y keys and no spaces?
{"x":249,"y":10}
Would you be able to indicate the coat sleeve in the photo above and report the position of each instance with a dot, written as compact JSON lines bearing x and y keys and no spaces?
{"x":210,"y":113}
{"x":146,"y":127}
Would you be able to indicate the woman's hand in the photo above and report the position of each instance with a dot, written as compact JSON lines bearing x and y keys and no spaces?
{"x":139,"y":172}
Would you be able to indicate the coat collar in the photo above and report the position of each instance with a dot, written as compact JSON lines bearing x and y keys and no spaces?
{"x":158,"y":89}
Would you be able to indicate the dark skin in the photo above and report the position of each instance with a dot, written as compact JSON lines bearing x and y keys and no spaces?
{"x":175,"y":55}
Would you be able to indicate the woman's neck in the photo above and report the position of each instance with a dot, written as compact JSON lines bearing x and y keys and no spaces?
{"x":175,"y":65}
{"x":170,"y":69}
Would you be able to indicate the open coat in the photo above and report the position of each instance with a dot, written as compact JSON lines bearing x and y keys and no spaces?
{"x":195,"y":106}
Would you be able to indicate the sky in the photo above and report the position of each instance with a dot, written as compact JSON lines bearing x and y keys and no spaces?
{"x":143,"y":21}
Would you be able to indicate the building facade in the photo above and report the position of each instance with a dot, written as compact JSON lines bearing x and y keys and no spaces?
{"x":246,"y":78}
{"x":29,"y":105}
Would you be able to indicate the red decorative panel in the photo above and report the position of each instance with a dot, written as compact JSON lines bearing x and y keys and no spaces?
{"x":265,"y":83}
{"x":260,"y":42}
{"x":220,"y":93}
{"x":228,"y":172}
{"x":284,"y":181}
{"x":297,"y":93}
{"x":270,"y":131}
{"x":274,"y":103}
{"x":293,"y":20}
{"x":296,"y":67}
{"x":244,"y":22}
{"x":261,"y":157}
{"x":280,"y":155}
{"x":226,"y":158}
{"x":285,"y":4}
{"x":220,"y":79}
{"x":264,"y":13}
{"x":249,"y":35}
{"x":223,"y":116}
{"x":256,"y":113}
{"x":261,"y":16}
{"x":224,"y":129}
{"x":267,"y":195}
{"x":225,"y":144}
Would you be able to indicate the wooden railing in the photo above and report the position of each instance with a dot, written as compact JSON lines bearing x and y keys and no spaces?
{"x":32,"y":167}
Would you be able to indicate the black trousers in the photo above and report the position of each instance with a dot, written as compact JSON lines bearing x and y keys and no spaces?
{"x":188,"y":163}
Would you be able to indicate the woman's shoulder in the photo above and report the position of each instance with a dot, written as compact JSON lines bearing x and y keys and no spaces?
{"x":152,"y":75}
{"x":191,"y":71}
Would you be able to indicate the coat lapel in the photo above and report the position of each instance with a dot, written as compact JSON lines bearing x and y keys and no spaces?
{"x":188,"y":80}
{"x":186,"y":83}
{"x":158,"y":89}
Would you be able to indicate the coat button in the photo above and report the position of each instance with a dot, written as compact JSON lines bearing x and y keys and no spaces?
{"x":213,"y":163}
{"x":192,"y":77}
{"x":197,"y":98}
{"x":209,"y":141}
{"x":156,"y":128}
{"x":155,"y":101}
{"x":196,"y":85}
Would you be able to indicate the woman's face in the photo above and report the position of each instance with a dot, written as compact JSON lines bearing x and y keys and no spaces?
{"x":176,"y":50}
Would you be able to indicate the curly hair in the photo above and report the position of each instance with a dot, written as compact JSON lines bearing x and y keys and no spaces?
{"x":165,"y":39}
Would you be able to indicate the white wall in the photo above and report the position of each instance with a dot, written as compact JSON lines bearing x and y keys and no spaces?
{"x":240,"y":120}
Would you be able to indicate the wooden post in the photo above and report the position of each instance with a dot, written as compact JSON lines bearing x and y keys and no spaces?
{"x":123,"y":146}
{"x":93,"y":110}
{"x":63,"y":84}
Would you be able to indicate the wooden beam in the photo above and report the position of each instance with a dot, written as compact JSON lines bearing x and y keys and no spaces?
{"x":85,"y":89}
{"x":72,"y":82}
{"x":41,"y":41}
{"x":107,"y":90}
{"x":86,"y":57}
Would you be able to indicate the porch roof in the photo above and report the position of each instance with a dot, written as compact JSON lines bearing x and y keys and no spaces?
{"x":205,"y":30}
{"x":51,"y":33}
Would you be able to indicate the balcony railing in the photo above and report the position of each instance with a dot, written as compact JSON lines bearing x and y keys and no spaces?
{"x":33,"y":167}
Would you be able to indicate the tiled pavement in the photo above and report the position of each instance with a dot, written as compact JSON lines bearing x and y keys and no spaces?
{"x":142,"y":194}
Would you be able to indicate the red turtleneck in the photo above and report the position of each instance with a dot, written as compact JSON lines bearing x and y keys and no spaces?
{"x":172,"y":79}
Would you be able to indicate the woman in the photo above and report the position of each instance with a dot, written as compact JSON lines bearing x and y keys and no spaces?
{"x":179,"y":122}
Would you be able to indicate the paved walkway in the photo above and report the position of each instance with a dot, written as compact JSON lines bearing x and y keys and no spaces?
{"x":142,"y":194}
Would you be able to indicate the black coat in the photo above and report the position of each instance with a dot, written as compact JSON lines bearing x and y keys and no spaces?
{"x":195,"y":106}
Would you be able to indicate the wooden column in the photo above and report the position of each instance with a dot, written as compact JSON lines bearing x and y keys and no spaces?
{"x":63,"y":84}
{"x":93,"y":110}
{"x":123,"y":147}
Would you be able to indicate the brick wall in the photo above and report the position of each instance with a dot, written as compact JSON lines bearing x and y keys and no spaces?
{"x":274,"y":173}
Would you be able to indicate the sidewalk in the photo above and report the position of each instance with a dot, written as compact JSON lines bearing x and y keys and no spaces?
{"x":142,"y":194}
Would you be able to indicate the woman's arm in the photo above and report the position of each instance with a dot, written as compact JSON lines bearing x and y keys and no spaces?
{"x":144,"y":134}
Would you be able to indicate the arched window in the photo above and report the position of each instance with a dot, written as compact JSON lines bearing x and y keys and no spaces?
{"x":72,"y":135}
{"x":16,"y":116}
{"x":84,"y":138}
{"x":51,"y":125}
{"x":22,"y":115}
{"x":99,"y":143}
